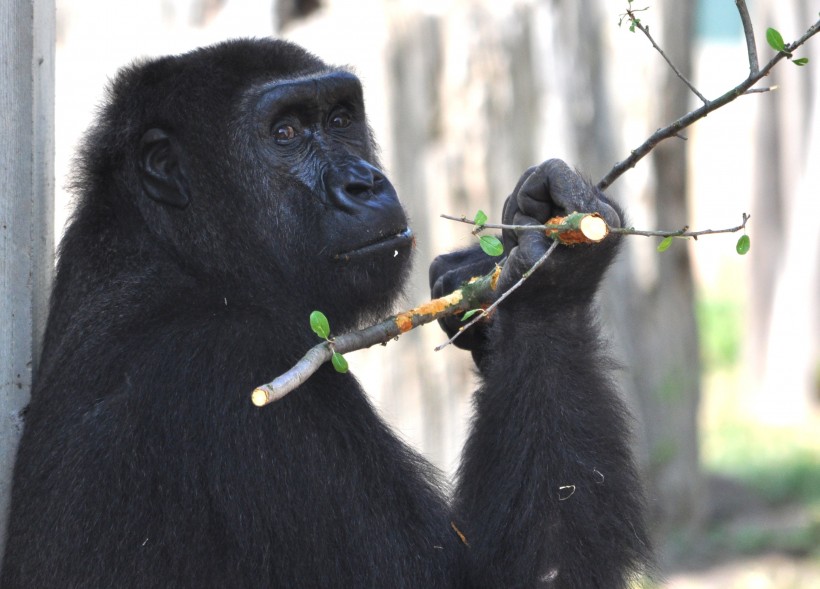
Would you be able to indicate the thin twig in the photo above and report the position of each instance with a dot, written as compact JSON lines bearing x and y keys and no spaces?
{"x":619,"y":230}
{"x":691,"y":117}
{"x":464,"y":219}
{"x":486,"y":312}
{"x":748,"y":31}
{"x":682,"y":233}
{"x":637,"y":23}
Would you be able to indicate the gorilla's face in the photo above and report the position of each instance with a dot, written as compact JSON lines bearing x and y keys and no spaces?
{"x":290,"y":185}
{"x":346,"y":226}
{"x":314,"y":131}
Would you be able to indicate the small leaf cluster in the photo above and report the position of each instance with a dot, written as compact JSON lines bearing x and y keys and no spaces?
{"x":321,"y":327}
{"x":490,"y":244}
{"x":629,"y":15}
{"x":775,"y":41}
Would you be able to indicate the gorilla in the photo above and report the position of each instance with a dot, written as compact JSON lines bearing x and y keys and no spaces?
{"x":222,"y":195}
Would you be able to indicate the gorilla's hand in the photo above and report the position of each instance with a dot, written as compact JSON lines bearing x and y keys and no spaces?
{"x":449,"y":272}
{"x":572,"y":273}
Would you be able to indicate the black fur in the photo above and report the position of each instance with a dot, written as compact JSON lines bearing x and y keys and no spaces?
{"x":223,"y":195}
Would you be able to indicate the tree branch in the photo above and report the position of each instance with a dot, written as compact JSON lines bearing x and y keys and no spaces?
{"x":570,"y":229}
{"x":674,"y":128}
{"x":636,"y":22}
{"x":562,"y":229}
{"x":472,"y":295}
{"x":476,"y":293}
{"x":748,"y":31}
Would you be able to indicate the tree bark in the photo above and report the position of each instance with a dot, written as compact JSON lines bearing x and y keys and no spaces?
{"x":783,"y":320}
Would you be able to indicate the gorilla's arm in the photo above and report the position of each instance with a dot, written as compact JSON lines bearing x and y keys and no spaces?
{"x":547,"y":491}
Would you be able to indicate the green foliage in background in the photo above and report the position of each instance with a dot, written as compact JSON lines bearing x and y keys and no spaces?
{"x":720,"y":325}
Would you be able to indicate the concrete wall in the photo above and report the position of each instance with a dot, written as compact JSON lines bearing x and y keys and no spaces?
{"x":26,"y":211}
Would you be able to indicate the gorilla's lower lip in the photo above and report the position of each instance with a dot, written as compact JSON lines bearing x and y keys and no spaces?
{"x":402,"y":239}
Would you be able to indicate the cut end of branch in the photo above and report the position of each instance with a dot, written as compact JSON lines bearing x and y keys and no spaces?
{"x":260,"y":397}
{"x":594,"y":227}
{"x":578,"y":228}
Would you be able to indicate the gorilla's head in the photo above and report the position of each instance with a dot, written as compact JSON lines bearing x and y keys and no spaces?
{"x":252,"y":162}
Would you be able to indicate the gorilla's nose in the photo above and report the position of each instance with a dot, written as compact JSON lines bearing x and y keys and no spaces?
{"x":354,"y":184}
{"x":361,"y":180}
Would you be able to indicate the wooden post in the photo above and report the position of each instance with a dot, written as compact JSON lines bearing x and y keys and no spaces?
{"x":26,"y":211}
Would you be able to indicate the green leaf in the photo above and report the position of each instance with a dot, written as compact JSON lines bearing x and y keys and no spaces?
{"x":480,"y":218}
{"x":664,"y":245}
{"x":491,"y":245}
{"x":339,"y":362}
{"x":743,"y":245}
{"x":469,"y":314}
{"x":801,"y":62}
{"x":319,"y":324}
{"x":775,"y":39}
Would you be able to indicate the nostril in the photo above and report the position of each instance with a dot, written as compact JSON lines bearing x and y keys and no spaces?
{"x":360,"y":182}
{"x":359,"y":189}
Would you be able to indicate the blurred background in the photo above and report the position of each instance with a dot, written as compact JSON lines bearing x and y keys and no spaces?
{"x":720,"y":354}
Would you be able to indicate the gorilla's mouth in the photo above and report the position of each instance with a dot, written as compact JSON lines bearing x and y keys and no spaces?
{"x":396,"y":241}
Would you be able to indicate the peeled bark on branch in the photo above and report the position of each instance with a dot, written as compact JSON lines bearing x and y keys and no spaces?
{"x":471,"y":295}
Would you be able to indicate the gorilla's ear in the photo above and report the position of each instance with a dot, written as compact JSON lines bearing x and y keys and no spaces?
{"x":162,"y":177}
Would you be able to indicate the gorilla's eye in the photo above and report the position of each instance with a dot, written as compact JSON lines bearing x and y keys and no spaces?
{"x":284,"y":133}
{"x":340,"y":120}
